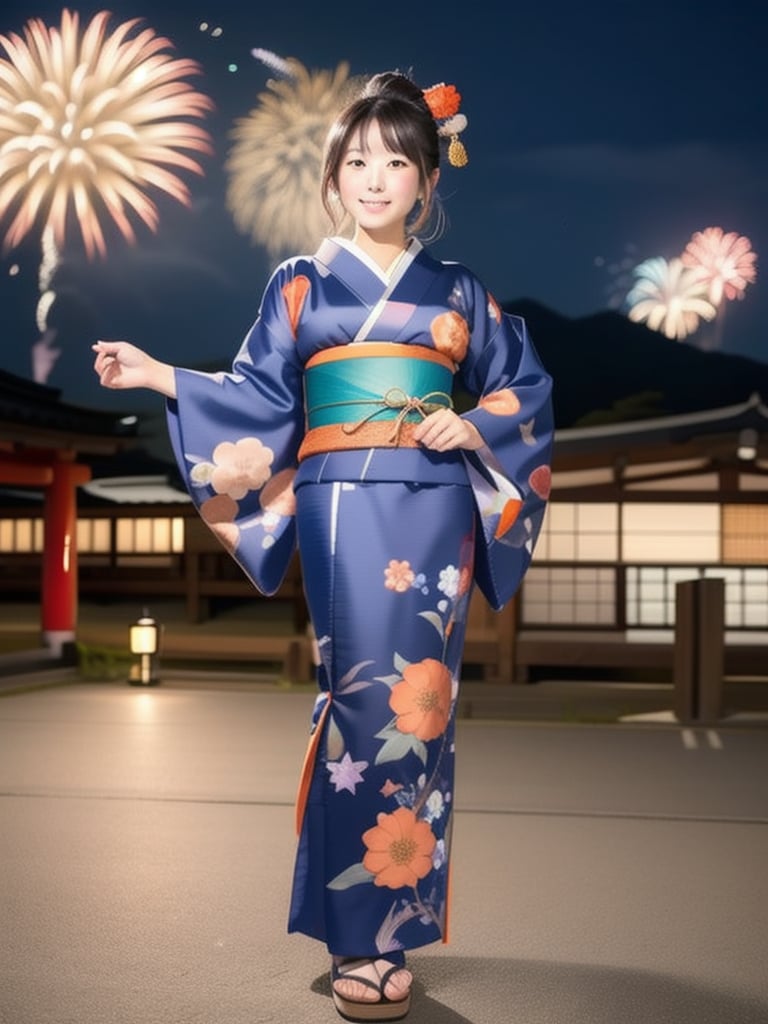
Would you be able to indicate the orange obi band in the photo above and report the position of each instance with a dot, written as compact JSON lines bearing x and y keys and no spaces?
{"x":372,"y":395}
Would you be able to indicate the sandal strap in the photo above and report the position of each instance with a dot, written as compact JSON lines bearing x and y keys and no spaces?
{"x":345,"y":971}
{"x":393,"y":969}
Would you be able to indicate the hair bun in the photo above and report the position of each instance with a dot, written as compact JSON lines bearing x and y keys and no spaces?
{"x":394,"y":85}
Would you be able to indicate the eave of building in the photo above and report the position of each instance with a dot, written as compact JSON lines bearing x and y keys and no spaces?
{"x":664,"y":446}
{"x":709,"y":434}
{"x":136,"y":490}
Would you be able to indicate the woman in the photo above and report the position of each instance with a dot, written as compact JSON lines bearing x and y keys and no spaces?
{"x":336,"y":429}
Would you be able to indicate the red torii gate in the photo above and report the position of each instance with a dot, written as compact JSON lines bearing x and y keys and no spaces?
{"x":59,"y":477}
{"x":40,"y":440}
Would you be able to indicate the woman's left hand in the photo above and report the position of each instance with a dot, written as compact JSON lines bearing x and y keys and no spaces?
{"x":444,"y":430}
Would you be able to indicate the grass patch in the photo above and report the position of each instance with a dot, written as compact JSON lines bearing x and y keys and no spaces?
{"x":103,"y":664}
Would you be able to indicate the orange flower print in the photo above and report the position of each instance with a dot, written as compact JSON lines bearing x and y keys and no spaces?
{"x":450,"y":333}
{"x":399,"y":576}
{"x":422,"y":699}
{"x":294,"y":295}
{"x":219,"y":513}
{"x":400,"y":849}
{"x":241,"y":467}
{"x":500,"y":403}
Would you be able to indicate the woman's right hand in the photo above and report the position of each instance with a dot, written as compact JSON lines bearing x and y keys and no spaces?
{"x":120,"y":365}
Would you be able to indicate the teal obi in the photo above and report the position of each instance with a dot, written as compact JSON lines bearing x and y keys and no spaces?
{"x":376,"y":381}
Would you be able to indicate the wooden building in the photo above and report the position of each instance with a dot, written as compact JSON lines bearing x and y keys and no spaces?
{"x":636,"y":508}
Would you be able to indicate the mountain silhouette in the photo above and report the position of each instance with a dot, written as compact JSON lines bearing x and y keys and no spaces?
{"x":604,"y":360}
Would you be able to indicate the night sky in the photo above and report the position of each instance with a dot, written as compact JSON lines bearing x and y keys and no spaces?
{"x":600,"y":134}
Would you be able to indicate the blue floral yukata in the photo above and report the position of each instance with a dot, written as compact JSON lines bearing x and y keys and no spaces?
{"x":392,"y":539}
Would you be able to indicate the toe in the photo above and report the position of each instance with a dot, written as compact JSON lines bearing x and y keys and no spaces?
{"x":355,"y":991}
{"x":398,"y":985}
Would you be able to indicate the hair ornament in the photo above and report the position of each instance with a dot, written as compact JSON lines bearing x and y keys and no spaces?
{"x":443,"y":102}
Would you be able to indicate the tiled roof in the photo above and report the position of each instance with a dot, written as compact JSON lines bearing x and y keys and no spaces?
{"x":752,"y":414}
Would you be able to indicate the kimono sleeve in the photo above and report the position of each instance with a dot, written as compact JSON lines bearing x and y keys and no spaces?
{"x":510,"y":475}
{"x":235,"y":437}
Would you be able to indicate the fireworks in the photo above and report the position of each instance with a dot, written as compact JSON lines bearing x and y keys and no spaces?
{"x":275,"y":162}
{"x":89,"y":122}
{"x":674,"y":296}
{"x":669,"y":297}
{"x":725,"y":261}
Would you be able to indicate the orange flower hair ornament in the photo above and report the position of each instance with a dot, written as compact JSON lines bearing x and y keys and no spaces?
{"x":443,"y":102}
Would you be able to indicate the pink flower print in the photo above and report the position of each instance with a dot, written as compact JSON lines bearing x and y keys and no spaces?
{"x":399,"y":576}
{"x":241,"y":467}
{"x":465,"y":580}
{"x":466,"y":563}
{"x":277,"y":497}
{"x":540,"y":481}
{"x":219,"y":513}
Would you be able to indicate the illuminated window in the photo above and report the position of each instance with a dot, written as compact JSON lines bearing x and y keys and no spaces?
{"x":155,"y":536}
{"x":6,"y":534}
{"x":21,"y":536}
{"x":579,"y":532}
{"x":745,"y":534}
{"x":651,"y":593}
{"x":746,"y":597}
{"x":670,"y":532}
{"x":565,"y":596}
{"x":94,"y":536}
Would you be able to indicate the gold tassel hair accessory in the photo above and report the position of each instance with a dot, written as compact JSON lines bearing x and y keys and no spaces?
{"x":443,"y":102}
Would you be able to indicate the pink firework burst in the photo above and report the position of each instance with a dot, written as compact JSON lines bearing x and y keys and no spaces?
{"x":724,"y":261}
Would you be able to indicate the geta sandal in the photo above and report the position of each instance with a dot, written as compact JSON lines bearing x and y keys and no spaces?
{"x":380,"y":1009}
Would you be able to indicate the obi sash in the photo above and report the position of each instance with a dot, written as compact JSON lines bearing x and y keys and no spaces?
{"x":372,"y":395}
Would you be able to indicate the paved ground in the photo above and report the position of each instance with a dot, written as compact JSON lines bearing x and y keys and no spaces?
{"x":604,"y":874}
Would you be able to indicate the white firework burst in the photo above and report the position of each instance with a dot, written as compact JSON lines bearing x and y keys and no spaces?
{"x":89,"y":122}
{"x":275,"y":162}
{"x":669,"y":297}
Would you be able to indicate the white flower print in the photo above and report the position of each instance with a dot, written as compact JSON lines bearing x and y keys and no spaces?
{"x":449,"y":581}
{"x":435,"y":806}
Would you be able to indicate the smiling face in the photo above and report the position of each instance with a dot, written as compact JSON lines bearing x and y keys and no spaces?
{"x":378,"y":187}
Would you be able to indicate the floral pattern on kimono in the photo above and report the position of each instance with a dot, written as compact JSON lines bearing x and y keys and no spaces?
{"x":392,"y":542}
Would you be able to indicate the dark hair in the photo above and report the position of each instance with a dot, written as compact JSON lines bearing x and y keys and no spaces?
{"x":407,"y":126}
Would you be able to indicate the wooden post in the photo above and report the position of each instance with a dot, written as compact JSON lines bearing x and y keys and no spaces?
{"x":686,"y":709}
{"x":59,"y":588}
{"x":699,"y":649}
{"x":711,"y":614}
